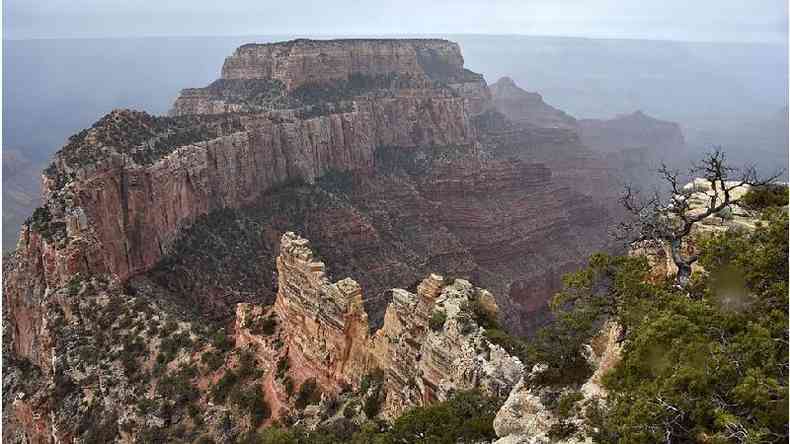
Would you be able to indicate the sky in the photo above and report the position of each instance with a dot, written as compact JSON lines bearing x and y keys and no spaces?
{"x":694,"y":20}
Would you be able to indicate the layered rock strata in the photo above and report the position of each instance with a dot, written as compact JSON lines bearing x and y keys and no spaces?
{"x":423,"y":360}
{"x":302,"y":72}
{"x":427,"y":194}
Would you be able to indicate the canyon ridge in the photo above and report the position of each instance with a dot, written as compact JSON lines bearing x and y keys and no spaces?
{"x":166,"y":288}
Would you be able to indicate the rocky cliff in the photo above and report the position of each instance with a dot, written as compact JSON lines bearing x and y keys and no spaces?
{"x":309,"y":74}
{"x":422,"y":359}
{"x":633,"y":131}
{"x":383,"y":160}
{"x":527,"y":107}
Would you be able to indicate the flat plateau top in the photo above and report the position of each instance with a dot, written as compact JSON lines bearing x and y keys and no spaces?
{"x":348,"y":40}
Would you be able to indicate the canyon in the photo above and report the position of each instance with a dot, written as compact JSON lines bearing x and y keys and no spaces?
{"x":163,"y":262}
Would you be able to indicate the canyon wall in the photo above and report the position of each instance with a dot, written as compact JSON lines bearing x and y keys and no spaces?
{"x":383,"y":158}
{"x":137,"y":211}
{"x":303,"y":61}
{"x":304,"y":72}
{"x":634,"y":131}
{"x":423,"y":360}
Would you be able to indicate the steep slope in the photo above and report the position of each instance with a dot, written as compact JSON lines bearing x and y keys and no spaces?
{"x":383,"y":160}
{"x":527,"y":107}
{"x":633,"y":131}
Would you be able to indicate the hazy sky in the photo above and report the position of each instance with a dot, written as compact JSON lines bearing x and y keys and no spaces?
{"x":706,"y":20}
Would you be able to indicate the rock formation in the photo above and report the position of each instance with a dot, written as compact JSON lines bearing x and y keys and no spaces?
{"x":527,"y":107}
{"x":382,"y":151}
{"x":633,"y":131}
{"x":305,"y":72}
{"x":328,"y":336}
{"x":530,"y":414}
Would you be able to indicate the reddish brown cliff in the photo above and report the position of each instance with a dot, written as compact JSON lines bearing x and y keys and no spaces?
{"x":388,"y":169}
{"x":326,"y":331}
{"x":303,"y":61}
{"x":304,"y":73}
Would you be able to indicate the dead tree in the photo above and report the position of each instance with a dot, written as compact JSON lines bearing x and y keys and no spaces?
{"x":660,"y":220}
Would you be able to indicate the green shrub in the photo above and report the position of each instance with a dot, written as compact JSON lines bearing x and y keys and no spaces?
{"x":350,"y":409}
{"x":562,"y":430}
{"x":221,"y":341}
{"x":372,"y":404}
{"x":248,"y":366}
{"x":251,"y":401}
{"x":222,"y":388}
{"x":466,"y":417}
{"x":177,"y":387}
{"x":706,"y":361}
{"x":308,"y":394}
{"x":264,"y":326}
{"x":288,"y":383}
{"x":274,"y":435}
{"x":436,"y":322}
{"x":282,"y":367}
{"x":74,"y":285}
{"x":760,"y":198}
{"x":212,"y":359}
{"x":146,"y":405}
{"x":567,"y":403}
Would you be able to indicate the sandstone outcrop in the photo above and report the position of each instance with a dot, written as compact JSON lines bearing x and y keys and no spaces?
{"x":303,"y":61}
{"x":155,"y":201}
{"x":700,"y":192}
{"x":302,"y":73}
{"x":423,"y":360}
{"x":530,"y":414}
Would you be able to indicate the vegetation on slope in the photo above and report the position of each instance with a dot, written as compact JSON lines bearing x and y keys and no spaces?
{"x":759,"y":198}
{"x":144,"y":137}
{"x":708,"y":363}
{"x":466,"y":417}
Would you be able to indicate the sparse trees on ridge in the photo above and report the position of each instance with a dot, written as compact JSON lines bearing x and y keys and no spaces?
{"x":657,"y":220}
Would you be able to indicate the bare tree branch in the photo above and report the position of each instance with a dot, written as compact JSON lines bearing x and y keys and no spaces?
{"x":670,"y":221}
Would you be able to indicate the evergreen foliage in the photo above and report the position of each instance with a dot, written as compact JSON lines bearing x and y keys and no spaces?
{"x":708,"y":363}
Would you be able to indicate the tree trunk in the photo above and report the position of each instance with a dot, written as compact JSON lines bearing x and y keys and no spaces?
{"x":684,"y":265}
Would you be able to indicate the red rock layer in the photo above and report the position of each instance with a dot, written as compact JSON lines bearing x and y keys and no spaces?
{"x":303,"y":61}
{"x":326,"y":331}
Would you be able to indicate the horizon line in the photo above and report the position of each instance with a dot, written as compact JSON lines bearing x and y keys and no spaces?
{"x":319,"y":36}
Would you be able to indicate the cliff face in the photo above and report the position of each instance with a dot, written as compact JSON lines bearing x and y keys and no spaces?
{"x":384,"y":159}
{"x":328,"y":337}
{"x":527,"y":107}
{"x":633,"y":131}
{"x":304,"y":73}
{"x":303,"y":61}
{"x":137,"y":210}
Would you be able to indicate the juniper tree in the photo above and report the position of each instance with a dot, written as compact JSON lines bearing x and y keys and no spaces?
{"x":660,"y":220}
